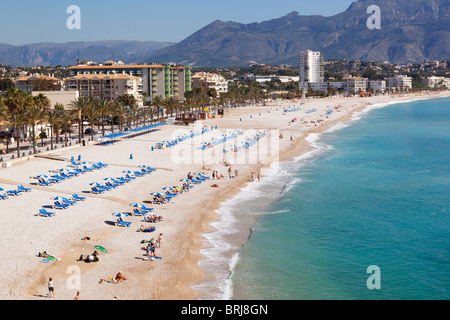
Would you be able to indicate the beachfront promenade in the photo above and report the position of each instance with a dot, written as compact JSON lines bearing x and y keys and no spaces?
{"x":93,"y":222}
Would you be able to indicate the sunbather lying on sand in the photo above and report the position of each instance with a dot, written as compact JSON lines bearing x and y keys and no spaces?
{"x":146,"y":229}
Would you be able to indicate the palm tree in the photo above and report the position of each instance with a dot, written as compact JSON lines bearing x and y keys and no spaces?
{"x":158,"y":102}
{"x":120,"y":110}
{"x":15,"y":103}
{"x":79,"y":106}
{"x":91,"y":112}
{"x":66,"y":122}
{"x":103,"y":110}
{"x":34,"y":115}
{"x":42,"y":102}
{"x":171,"y":104}
{"x":53,"y":117}
{"x":15,"y":118}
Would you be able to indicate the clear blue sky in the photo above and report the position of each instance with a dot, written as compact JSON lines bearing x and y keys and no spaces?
{"x":31,"y":21}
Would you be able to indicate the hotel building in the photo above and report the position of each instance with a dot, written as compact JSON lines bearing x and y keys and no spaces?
{"x":354,"y":84}
{"x":434,"y":81}
{"x":156,"y":79}
{"x":105,"y":86}
{"x":400,"y":81}
{"x":311,"y":68}
{"x":207,"y":80}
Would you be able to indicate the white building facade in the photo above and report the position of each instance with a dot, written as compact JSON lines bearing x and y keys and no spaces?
{"x":399,"y":82}
{"x":311,"y":68}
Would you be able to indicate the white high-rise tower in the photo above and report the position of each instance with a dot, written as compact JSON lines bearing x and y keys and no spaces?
{"x":311,"y":68}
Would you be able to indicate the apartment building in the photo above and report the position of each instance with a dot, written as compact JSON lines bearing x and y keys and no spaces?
{"x":105,"y":86}
{"x":354,"y":84}
{"x":311,"y":68}
{"x":207,"y":80}
{"x":434,"y":81}
{"x":38,"y":82}
{"x":377,"y":86}
{"x":157,"y":79}
{"x":400,"y":81}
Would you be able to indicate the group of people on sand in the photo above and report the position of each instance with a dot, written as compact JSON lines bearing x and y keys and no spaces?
{"x":90,"y":257}
{"x":152,"y":245}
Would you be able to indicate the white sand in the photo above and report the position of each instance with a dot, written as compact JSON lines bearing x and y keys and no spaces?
{"x":23,"y":233}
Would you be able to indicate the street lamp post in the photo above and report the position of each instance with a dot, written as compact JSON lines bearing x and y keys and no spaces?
{"x":7,"y":140}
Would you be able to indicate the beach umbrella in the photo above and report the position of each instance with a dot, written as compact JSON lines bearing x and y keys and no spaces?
{"x":42,"y":176}
{"x":127,"y":171}
{"x":156,"y":194}
{"x":120,"y":214}
{"x":167,"y":188}
{"x":100,"y":248}
{"x":58,"y":198}
{"x":96,"y":184}
{"x":137,"y":205}
{"x":185,"y":180}
{"x":1,"y":189}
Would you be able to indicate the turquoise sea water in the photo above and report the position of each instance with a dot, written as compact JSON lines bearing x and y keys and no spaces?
{"x":374,"y":192}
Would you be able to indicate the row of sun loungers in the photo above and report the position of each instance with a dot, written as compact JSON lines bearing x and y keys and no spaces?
{"x":112,"y":183}
{"x":61,"y":203}
{"x":63,"y":174}
{"x":182,"y":137}
{"x":142,"y":211}
{"x":13,"y":193}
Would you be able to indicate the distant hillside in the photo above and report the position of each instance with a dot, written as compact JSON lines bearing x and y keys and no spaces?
{"x":65,"y":54}
{"x":411,"y":31}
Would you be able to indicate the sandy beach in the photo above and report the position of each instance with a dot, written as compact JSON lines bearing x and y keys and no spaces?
{"x":187,"y":217}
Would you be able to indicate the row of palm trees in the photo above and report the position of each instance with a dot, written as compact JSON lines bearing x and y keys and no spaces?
{"x":19,"y":109}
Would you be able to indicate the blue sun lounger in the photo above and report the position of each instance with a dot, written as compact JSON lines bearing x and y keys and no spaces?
{"x":44,"y":183}
{"x":122,"y":223}
{"x":87,"y":169}
{"x":136,"y":212}
{"x":109,"y":184}
{"x":117,"y":182}
{"x":59,"y":205}
{"x":3,"y":197}
{"x":78,"y":198}
{"x":57,"y":176}
{"x":23,"y":189}
{"x":124,"y":179}
{"x":13,"y":193}
{"x":96,"y":190}
{"x":45,"y":213}
{"x":103,"y":187}
{"x":145,"y":209}
{"x":69,"y":202}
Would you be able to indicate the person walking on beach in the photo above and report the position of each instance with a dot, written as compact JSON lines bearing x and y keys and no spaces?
{"x":77,"y":297}
{"x":236,"y":173}
{"x":253,"y":176}
{"x":259,"y":178}
{"x":214,"y":174}
{"x":160,"y":239}
{"x":51,"y":288}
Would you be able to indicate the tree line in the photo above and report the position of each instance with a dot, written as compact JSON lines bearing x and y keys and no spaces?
{"x":22,"y":111}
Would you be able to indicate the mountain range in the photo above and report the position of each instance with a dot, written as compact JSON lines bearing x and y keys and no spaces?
{"x":65,"y":54}
{"x":410,"y":31}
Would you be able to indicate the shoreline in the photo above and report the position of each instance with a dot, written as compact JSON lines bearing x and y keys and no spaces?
{"x":185,"y":222}
{"x":303,"y":147}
